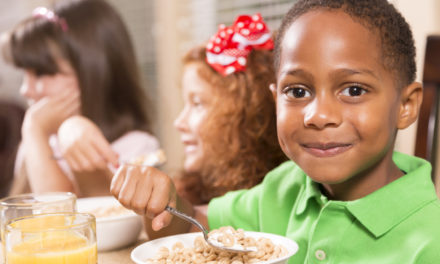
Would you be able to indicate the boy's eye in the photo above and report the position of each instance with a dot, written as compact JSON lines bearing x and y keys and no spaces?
{"x":354,"y":91}
{"x":297,"y":92}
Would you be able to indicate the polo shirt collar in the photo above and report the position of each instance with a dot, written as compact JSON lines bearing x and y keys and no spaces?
{"x":309,"y":191}
{"x":383,"y":209}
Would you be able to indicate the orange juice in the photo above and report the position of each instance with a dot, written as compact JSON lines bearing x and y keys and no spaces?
{"x":64,"y":238}
{"x":18,"y":206}
{"x":53,"y":248}
{"x":36,"y":224}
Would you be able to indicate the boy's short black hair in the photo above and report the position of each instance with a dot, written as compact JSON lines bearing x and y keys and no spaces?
{"x":377,"y":15}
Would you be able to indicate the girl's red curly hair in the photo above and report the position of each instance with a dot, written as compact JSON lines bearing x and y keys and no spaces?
{"x":240,"y":139}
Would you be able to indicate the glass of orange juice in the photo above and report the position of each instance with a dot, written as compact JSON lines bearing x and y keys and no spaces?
{"x":28,"y":204}
{"x":61,"y":238}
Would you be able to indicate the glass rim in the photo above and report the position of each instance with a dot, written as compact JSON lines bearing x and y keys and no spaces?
{"x":67,"y":196}
{"x":87,"y":217}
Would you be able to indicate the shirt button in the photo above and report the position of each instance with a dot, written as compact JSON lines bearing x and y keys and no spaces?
{"x":320,"y":254}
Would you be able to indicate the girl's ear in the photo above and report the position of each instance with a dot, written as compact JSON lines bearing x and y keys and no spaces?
{"x":273,"y":89}
{"x":411,"y":100}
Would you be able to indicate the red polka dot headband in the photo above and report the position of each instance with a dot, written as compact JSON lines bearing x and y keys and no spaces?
{"x":228,"y":49}
{"x":51,"y":16}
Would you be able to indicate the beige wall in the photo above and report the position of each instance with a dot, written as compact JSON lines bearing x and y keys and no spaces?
{"x":169,"y":37}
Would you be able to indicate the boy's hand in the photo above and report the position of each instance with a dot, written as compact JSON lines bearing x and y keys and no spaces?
{"x":83,"y":145}
{"x":147,"y":191}
{"x":46,"y":115}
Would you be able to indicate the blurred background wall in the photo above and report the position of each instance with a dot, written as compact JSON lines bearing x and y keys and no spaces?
{"x":163,"y":30}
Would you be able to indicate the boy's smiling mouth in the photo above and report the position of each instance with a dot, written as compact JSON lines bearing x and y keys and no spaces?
{"x":323,"y":150}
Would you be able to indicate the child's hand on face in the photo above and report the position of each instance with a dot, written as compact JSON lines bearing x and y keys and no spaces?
{"x":45,"y":116}
{"x":147,"y":191}
{"x":83,"y":145}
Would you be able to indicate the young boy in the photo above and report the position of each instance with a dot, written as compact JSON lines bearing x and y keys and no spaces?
{"x":345,"y":85}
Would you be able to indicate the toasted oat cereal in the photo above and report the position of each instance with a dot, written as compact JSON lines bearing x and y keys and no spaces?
{"x":201,"y":252}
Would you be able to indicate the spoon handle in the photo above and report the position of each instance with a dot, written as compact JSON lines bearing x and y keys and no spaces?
{"x":186,"y":218}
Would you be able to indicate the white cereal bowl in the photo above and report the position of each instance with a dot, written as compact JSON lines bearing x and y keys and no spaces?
{"x":148,"y":250}
{"x":115,"y":227}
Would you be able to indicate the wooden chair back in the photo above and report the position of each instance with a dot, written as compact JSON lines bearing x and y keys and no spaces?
{"x":427,"y":128}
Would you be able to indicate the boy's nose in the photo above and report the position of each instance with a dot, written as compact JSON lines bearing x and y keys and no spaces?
{"x":322,"y":113}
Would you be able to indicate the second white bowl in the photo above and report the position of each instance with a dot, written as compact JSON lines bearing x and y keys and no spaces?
{"x":116,"y":227}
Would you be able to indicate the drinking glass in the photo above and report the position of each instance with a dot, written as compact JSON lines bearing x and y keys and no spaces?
{"x":68,"y":238}
{"x":29,"y":204}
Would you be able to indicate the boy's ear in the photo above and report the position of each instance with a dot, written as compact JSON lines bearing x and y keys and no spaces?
{"x":273,"y":89}
{"x":411,"y":100}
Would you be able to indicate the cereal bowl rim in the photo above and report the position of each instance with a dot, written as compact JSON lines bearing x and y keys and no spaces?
{"x":291,"y":251}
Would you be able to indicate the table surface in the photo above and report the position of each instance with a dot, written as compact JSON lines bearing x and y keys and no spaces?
{"x":121,"y":256}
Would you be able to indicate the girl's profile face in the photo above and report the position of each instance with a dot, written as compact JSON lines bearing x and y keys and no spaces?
{"x":36,"y":87}
{"x":198,"y":98}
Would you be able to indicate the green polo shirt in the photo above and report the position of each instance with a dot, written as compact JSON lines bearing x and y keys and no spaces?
{"x":399,"y":223}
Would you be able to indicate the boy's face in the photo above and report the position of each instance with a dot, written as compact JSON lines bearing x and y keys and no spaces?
{"x":337,"y":106}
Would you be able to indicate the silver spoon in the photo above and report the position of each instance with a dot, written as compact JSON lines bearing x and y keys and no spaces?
{"x":205,"y":232}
